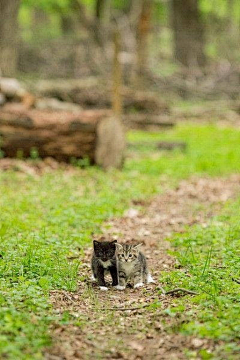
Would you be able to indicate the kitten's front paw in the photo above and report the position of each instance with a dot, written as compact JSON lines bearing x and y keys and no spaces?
{"x":103,"y":288}
{"x":93,"y":279}
{"x":138,"y":285}
{"x":120,"y":287}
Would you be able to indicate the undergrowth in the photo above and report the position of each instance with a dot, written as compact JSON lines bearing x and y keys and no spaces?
{"x":209,"y":264}
{"x":48,"y":219}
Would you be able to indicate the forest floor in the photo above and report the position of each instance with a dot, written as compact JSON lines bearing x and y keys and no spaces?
{"x":142,"y":323}
{"x":183,"y":205}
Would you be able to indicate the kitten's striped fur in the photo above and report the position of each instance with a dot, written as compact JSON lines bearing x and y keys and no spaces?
{"x":132,"y":266}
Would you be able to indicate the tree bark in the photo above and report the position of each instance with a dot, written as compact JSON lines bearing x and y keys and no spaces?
{"x":95,"y":135}
{"x":143,"y":31}
{"x":188,"y":33}
{"x":99,"y":8}
{"x":117,"y":76}
{"x":87,"y":22}
{"x":67,"y":24}
{"x":8,"y":36}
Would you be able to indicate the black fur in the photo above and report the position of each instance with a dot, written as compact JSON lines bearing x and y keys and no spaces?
{"x":104,"y":260}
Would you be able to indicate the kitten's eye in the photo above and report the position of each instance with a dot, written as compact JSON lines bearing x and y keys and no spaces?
{"x":130,"y":255}
{"x":122,"y":255}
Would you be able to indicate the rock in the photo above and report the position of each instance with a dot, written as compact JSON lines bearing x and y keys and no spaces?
{"x":10,"y":87}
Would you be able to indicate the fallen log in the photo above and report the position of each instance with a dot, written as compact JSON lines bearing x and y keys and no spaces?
{"x":94,"y":93}
{"x":96,"y":135}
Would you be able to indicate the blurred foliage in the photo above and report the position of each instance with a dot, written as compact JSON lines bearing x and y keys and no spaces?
{"x":221,"y":18}
{"x":219,"y":8}
{"x":222,"y":9}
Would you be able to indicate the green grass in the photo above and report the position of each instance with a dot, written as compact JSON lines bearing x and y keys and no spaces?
{"x":208,"y":152}
{"x":45,"y":220}
{"x":209,"y":264}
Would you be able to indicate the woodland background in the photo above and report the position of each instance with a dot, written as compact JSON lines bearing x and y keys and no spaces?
{"x":73,"y":72}
{"x":172,"y":43}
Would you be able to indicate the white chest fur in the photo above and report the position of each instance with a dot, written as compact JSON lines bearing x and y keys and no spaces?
{"x":128,"y":267}
{"x":105,"y":264}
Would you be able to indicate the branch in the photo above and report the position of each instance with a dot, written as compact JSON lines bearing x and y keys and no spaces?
{"x":126,"y":309}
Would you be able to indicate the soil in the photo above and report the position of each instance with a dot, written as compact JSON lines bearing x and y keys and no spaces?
{"x":120,"y":325}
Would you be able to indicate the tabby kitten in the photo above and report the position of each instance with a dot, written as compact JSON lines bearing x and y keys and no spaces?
{"x":132,"y":266}
{"x":104,"y":260}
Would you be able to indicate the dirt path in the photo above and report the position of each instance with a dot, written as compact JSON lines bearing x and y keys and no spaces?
{"x":142,"y":332}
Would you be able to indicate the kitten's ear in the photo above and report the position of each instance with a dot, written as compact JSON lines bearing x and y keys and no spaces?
{"x":137,"y":247}
{"x":119,"y":247}
{"x":95,"y":243}
{"x":114,"y":241}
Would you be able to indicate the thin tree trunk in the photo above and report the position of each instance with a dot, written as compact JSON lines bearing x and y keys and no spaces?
{"x":8,"y":36}
{"x":87,"y":22}
{"x":134,"y":12}
{"x":103,"y":19}
{"x":107,"y":13}
{"x":117,"y":76}
{"x":99,"y":8}
{"x":67,"y":24}
{"x":188,"y":33}
{"x":143,"y":31}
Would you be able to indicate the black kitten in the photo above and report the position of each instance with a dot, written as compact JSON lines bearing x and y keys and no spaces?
{"x":104,"y":260}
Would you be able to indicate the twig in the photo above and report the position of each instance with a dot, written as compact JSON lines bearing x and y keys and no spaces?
{"x":186,"y":291}
{"x":68,"y":297}
{"x":125,"y":309}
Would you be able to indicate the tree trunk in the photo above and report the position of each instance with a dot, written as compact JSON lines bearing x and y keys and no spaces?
{"x":102,"y":19}
{"x":144,"y":26}
{"x":8,"y":36}
{"x":188,"y":33}
{"x":67,"y":24}
{"x":87,"y":22}
{"x":99,"y":8}
{"x":117,"y":76}
{"x":95,"y":135}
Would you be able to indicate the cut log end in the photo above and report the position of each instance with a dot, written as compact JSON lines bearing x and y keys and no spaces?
{"x":110,"y":143}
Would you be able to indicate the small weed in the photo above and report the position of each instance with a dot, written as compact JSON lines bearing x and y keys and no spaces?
{"x":34,"y":154}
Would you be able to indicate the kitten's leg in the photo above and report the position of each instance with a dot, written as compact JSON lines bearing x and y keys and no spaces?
{"x":122,"y":281}
{"x":93,"y":278}
{"x":114,"y":275}
{"x":94,"y":270}
{"x":100,"y":278}
{"x":138,"y":280}
{"x":150,"y":278}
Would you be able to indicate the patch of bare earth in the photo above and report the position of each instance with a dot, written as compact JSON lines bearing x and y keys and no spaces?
{"x":103,"y":330}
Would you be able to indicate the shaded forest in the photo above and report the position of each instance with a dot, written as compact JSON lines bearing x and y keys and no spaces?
{"x":168,"y":45}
